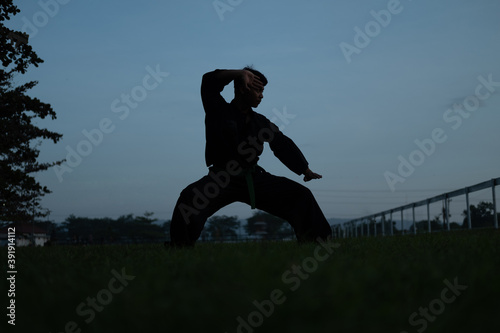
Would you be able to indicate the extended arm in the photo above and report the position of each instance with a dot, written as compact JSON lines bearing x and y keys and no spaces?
{"x":290,"y":155}
{"x":308,"y":175}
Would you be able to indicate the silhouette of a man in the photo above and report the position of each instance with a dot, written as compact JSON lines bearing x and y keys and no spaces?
{"x":235,"y":136}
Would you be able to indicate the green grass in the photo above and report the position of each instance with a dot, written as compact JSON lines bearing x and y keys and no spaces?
{"x":364,"y":285}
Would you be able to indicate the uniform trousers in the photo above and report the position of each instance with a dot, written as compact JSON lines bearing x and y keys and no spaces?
{"x":275,"y":195}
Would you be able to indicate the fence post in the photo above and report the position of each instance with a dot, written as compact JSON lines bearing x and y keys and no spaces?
{"x":428,"y":217}
{"x":392,"y":228}
{"x":495,"y":216}
{"x":414,"y":224}
{"x":469,"y":222}
{"x":447,"y":211}
{"x":402,"y":226}
{"x":383,"y":225}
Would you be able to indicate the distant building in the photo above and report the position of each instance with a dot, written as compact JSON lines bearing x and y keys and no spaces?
{"x":260,"y":230}
{"x":26,"y":234}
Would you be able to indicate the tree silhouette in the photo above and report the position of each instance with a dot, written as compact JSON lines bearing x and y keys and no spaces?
{"x":274,"y":226}
{"x":222,"y":228}
{"x":481,"y":215}
{"x":125,"y":228}
{"x":20,"y":138}
{"x":147,"y":218}
{"x":166,"y":229}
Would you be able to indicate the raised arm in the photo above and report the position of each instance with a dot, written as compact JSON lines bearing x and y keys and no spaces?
{"x":244,"y":79}
{"x":214,"y":82}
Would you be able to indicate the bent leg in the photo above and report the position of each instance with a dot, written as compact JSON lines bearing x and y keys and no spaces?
{"x":294,"y":203}
{"x":196,"y":203}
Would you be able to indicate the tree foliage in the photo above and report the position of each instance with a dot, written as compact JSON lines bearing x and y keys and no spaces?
{"x":20,"y":138}
{"x":481,"y":215}
{"x":274,"y":226}
{"x":222,"y":228}
{"x":126,"y":228}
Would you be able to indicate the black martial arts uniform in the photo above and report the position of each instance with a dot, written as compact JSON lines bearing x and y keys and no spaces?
{"x":234,"y":141}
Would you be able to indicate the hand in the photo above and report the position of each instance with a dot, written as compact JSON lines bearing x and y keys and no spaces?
{"x":308,"y":175}
{"x":249,"y":81}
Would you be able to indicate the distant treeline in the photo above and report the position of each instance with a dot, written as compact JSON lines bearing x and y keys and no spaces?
{"x":142,"y":229}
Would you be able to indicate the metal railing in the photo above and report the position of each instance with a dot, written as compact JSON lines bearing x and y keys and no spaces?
{"x":356,"y":227}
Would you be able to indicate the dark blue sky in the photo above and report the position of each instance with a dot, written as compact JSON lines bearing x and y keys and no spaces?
{"x":391,"y":101}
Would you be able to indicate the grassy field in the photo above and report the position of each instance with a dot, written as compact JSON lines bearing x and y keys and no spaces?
{"x":444,"y":282}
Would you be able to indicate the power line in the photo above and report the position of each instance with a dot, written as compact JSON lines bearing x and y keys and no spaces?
{"x":379,"y":191}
